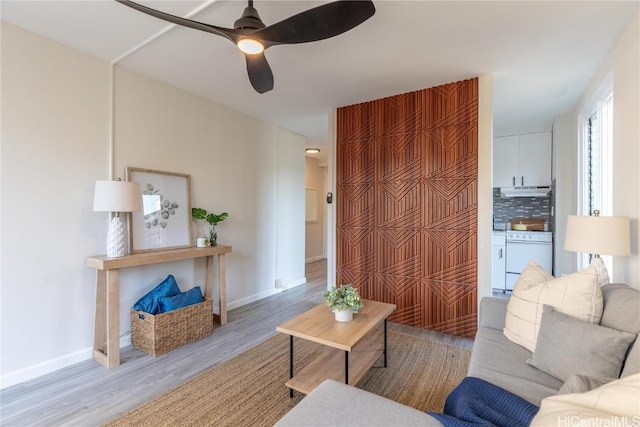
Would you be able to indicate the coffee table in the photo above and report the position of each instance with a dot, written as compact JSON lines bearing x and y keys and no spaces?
{"x":360,"y":350}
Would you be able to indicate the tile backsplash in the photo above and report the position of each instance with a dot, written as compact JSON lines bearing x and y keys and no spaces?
{"x":505,"y":208}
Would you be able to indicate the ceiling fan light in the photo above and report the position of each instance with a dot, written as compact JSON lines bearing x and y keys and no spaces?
{"x":250,"y":46}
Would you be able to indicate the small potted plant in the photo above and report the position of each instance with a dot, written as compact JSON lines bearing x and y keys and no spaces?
{"x":343,"y":301}
{"x":213,"y":220}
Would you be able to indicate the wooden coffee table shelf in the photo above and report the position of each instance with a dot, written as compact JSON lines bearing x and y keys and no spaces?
{"x":351,"y":351}
{"x":330,"y":365}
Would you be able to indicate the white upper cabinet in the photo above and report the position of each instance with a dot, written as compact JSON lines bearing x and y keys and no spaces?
{"x":505,"y":161}
{"x":522,"y":160}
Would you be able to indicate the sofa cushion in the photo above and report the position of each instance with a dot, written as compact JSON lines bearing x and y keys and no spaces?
{"x":582,"y":383}
{"x":577,"y":295}
{"x":568,"y":346}
{"x":362,"y":408}
{"x":615,"y":403}
{"x":622,"y":312}
{"x":499,"y":361}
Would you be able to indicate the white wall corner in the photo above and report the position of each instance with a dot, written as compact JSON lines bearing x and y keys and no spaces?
{"x":485,"y":177}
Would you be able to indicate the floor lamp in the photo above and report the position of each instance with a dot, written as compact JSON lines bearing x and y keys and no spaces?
{"x":117,"y":196}
{"x":598,"y":235}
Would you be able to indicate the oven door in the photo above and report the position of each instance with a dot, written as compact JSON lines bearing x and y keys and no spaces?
{"x":520,"y":253}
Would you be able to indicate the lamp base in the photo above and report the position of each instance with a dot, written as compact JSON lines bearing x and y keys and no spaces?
{"x":601,"y":268}
{"x":115,"y":239}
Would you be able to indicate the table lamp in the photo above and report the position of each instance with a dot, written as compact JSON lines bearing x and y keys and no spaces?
{"x":598,"y":235}
{"x":116,"y":196}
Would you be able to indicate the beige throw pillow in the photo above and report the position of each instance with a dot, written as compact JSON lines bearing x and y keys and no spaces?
{"x":613,"y":404}
{"x":577,"y":295}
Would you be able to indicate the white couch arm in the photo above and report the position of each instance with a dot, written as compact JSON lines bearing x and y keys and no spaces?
{"x":362,"y":409}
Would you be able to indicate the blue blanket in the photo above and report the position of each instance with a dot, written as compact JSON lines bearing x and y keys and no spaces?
{"x":475,"y":402}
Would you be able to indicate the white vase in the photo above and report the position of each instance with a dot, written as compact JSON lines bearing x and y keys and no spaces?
{"x":344,"y":315}
{"x":115,"y":239}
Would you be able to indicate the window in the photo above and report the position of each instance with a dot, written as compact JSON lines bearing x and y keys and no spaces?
{"x":595,"y":159}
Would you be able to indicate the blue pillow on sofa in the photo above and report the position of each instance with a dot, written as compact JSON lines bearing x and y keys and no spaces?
{"x":192,"y":296}
{"x":149,"y":302}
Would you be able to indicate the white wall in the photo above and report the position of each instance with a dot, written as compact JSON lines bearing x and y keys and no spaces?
{"x":624,"y":61}
{"x":315,"y":231}
{"x":55,"y":145}
{"x":232,"y":162}
{"x":290,"y":209}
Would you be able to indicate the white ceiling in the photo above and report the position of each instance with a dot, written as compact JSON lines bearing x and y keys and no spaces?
{"x":542,"y":54}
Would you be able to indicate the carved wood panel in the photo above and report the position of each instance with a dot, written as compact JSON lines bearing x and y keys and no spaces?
{"x":406,"y":204}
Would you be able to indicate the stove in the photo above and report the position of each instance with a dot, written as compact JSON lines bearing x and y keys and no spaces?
{"x":525,"y":246}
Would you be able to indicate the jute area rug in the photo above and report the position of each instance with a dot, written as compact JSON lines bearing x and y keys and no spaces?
{"x":249,"y":389}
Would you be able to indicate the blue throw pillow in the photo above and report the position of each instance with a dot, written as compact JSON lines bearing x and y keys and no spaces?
{"x":149,"y":302}
{"x":192,"y":296}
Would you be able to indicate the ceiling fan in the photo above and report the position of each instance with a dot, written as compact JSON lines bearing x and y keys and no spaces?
{"x":252,"y":36}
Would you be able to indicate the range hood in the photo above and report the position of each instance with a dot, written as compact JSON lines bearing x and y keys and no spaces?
{"x":524,"y":191}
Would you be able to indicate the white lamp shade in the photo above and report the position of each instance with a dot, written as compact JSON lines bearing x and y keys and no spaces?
{"x":600,"y":235}
{"x":117,"y":196}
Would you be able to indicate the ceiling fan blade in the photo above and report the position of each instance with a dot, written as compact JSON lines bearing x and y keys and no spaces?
{"x":228,"y":33}
{"x":260,"y":74}
{"x":319,"y":23}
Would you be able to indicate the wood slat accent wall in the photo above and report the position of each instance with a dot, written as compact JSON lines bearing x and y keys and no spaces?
{"x":406,"y":200}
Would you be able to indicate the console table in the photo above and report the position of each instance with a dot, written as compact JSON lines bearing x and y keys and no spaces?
{"x":106,"y":341}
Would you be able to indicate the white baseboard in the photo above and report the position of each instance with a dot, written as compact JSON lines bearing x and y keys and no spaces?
{"x":315,"y":258}
{"x":43,"y":368}
{"x":294,"y":283}
{"x":252,"y":298}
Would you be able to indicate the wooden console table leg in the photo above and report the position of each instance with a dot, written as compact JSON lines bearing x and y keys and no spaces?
{"x":113,"y":318}
{"x":106,"y":341}
{"x":100,"y":323}
{"x":208,"y":287}
{"x":223,"y":288}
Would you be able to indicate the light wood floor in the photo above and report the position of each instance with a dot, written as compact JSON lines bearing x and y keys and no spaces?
{"x":86,"y":394}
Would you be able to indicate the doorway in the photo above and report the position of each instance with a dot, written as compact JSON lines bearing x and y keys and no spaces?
{"x":315,"y":210}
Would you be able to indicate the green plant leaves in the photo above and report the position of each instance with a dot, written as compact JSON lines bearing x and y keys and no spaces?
{"x":343,"y":298}
{"x":213,"y":219}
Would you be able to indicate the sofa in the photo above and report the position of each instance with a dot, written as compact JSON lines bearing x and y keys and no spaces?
{"x":494,"y":359}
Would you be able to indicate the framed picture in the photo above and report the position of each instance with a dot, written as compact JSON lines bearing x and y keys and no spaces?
{"x":165,"y":219}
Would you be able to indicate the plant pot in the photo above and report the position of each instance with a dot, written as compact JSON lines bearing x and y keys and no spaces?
{"x":344,"y":315}
{"x":213,"y":236}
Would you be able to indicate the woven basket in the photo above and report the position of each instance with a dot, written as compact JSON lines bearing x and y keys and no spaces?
{"x":161,"y":333}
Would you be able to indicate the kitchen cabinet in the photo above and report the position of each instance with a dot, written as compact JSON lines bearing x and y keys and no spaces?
{"x":522,"y":160}
{"x":498,"y":261}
